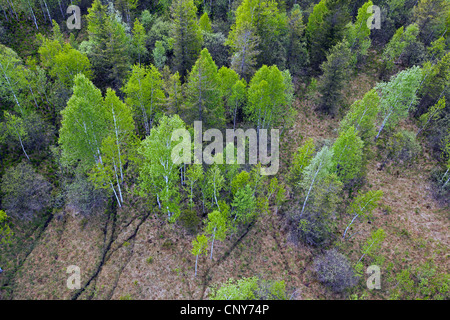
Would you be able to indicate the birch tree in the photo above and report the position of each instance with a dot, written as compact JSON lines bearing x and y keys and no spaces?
{"x":116,"y":147}
{"x":301,"y":159}
{"x":396,"y":96}
{"x":159,"y":172}
{"x":13,"y":83}
{"x":216,"y":227}
{"x":347,"y":155}
{"x":267,"y":101}
{"x":199,"y":248}
{"x":362,"y":207}
{"x":144,"y":93}
{"x":362,"y":116}
{"x":83,"y":125}
{"x":316,"y":172}
{"x":5,"y":230}
{"x":16,"y":128}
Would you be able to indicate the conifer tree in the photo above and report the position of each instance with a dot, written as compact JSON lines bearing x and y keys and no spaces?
{"x":335,"y":72}
{"x":297,"y":53}
{"x":204,"y":98}
{"x":187,"y":35}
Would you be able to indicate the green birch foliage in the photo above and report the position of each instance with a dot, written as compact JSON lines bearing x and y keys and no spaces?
{"x":204,"y":93}
{"x":362,"y":116}
{"x":267,"y":101}
{"x":363,"y":206}
{"x":241,"y":289}
{"x":240,"y":181}
{"x":347,"y":155}
{"x":397,"y":95}
{"x":400,"y":40}
{"x":244,"y":204}
{"x":194,"y":178}
{"x":5,"y":231}
{"x":216,"y":226}
{"x":301,"y":159}
{"x":158,"y":173}
{"x":187,"y":35}
{"x":83,"y":124}
{"x":373,"y":244}
{"x":238,"y":98}
{"x":13,"y":82}
{"x":118,"y":145}
{"x":357,"y":34}
{"x":16,"y":130}
{"x":199,"y":248}
{"x":250,"y":289}
{"x":159,"y":54}
{"x":68,"y":63}
{"x":144,"y":93}
{"x":314,"y":174}
{"x":214,"y":183}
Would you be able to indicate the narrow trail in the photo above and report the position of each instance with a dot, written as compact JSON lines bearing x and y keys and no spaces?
{"x":113,"y":215}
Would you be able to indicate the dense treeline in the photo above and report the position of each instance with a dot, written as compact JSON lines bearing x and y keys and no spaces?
{"x":88,"y":116}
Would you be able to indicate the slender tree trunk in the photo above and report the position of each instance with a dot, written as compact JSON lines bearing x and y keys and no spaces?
{"x":310,"y":187}
{"x":48,"y":12}
{"x":196,"y":260}
{"x":21,"y":144}
{"x":212,"y":245}
{"x":10,"y":87}
{"x":345,"y":232}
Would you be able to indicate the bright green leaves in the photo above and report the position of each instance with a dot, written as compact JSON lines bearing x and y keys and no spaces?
{"x":362,"y":116}
{"x":5,"y":231}
{"x":204,"y":98}
{"x":244,"y":204}
{"x":400,"y":40}
{"x":357,"y":34}
{"x":204,"y":23}
{"x":301,"y":160}
{"x":144,"y":93}
{"x":158,"y":173}
{"x":347,"y":155}
{"x":363,"y":206}
{"x":267,"y":100}
{"x":99,"y":132}
{"x":83,"y":126}
{"x":250,"y":289}
{"x":138,"y":41}
{"x":397,"y":96}
{"x":199,"y":248}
